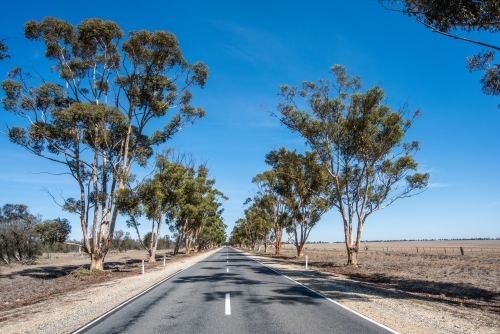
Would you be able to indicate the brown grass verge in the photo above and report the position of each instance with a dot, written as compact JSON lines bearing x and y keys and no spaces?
{"x":472,"y":280}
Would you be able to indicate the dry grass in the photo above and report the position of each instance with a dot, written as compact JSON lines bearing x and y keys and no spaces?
{"x":22,"y":285}
{"x":472,"y":280}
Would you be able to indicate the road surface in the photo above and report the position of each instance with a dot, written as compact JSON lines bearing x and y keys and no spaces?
{"x":228,"y":292}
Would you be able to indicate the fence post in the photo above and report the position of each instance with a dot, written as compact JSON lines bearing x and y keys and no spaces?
{"x":462,"y":250}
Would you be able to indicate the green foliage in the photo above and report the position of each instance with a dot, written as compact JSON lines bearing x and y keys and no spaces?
{"x":179,"y":195}
{"x":3,"y":50}
{"x":53,"y":231}
{"x":359,"y":142}
{"x":292,"y":196}
{"x":449,"y":18}
{"x":95,"y":116}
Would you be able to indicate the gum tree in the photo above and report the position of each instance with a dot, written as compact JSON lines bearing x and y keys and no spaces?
{"x":97,"y":114}
{"x":359,"y":141}
{"x":305,"y":188}
{"x":154,"y":198}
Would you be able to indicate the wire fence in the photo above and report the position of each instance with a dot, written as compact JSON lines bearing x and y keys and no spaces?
{"x":436,"y":250}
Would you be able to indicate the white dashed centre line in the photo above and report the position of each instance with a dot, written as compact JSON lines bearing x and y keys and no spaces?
{"x":227,"y":270}
{"x":228,"y":305}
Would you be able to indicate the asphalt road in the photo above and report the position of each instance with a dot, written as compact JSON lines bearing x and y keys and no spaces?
{"x":229,"y":292}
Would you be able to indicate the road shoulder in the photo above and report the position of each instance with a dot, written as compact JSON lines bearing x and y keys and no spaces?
{"x":395,"y":309}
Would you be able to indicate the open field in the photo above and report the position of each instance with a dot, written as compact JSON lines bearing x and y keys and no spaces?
{"x":22,"y":285}
{"x":471,"y":280}
{"x":424,"y":247}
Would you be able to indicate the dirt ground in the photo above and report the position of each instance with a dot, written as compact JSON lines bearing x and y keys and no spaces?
{"x":471,"y":280}
{"x":22,"y":285}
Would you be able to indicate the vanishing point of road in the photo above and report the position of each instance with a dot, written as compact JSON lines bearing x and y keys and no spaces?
{"x":228,"y":292}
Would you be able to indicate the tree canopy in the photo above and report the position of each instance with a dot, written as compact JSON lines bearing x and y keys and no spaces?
{"x":3,"y":50}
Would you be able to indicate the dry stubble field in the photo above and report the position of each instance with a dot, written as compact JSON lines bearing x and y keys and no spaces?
{"x":471,"y":280}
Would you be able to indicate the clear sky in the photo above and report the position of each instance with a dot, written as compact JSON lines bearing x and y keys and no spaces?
{"x":252,"y":47}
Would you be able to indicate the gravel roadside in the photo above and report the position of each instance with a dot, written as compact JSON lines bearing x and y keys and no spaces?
{"x":66,"y":313}
{"x":399,"y":310}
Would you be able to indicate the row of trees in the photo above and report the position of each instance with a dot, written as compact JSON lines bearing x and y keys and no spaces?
{"x":291,"y":197}
{"x":183,"y":196}
{"x":359,"y":163}
{"x":22,"y":234}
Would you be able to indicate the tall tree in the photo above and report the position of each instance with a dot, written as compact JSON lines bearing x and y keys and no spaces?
{"x":306,"y":189}
{"x":450,"y":18}
{"x":359,"y":142}
{"x":96,"y":118}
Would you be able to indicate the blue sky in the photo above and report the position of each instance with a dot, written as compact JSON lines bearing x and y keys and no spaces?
{"x":254,"y":47}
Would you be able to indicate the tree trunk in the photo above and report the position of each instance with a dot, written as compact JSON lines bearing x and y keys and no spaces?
{"x":352,"y":257}
{"x":300,"y":250}
{"x":97,"y":262}
{"x":177,"y":244}
{"x":152,"y":256}
{"x":279,"y":237}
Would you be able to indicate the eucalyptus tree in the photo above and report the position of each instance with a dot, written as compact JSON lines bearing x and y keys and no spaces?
{"x":155,"y":199}
{"x":212,"y":234}
{"x":359,"y":141}
{"x":53,"y":230}
{"x":244,"y":235}
{"x":457,"y":19}
{"x":198,"y":203}
{"x":305,"y":188}
{"x":208,"y":222}
{"x":97,"y":115}
{"x":273,"y":203}
{"x":260,"y":220}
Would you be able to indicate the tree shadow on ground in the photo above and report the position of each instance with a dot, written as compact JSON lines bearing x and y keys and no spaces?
{"x":53,"y":272}
{"x":378,"y":285}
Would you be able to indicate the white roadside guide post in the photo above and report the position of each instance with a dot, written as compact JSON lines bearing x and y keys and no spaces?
{"x":143,"y":267}
{"x":307,"y":258}
{"x":164,"y":260}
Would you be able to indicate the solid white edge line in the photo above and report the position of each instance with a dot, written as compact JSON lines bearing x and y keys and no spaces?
{"x":228,"y":304}
{"x":131,"y":299}
{"x":322,"y":295}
